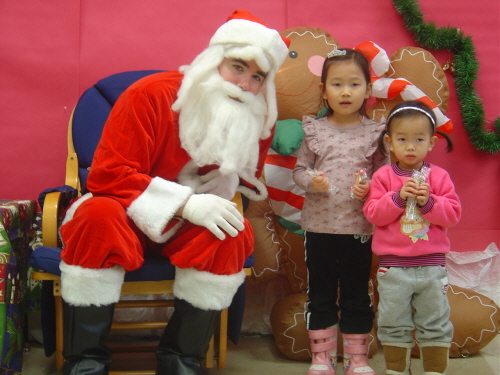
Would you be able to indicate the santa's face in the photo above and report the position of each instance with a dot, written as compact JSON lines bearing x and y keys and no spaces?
{"x":222,"y":119}
{"x":245,"y":74}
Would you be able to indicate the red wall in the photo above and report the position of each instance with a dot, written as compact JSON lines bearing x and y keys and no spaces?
{"x":51,"y":51}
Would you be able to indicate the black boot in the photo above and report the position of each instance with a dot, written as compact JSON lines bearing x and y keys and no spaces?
{"x":85,"y":329}
{"x":185,"y":340}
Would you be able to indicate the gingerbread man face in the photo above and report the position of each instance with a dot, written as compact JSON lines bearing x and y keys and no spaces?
{"x":297,"y":81}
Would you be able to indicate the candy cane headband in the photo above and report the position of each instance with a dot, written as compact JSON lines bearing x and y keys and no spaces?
{"x":415,"y":109}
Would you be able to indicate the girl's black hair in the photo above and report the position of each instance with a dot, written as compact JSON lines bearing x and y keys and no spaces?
{"x":360,"y":60}
{"x":397,"y":112}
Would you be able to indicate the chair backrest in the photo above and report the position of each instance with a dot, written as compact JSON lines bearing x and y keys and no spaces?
{"x":91,"y":112}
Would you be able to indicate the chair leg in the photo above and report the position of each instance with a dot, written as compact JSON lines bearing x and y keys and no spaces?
{"x":85,"y":330}
{"x":219,"y":340}
{"x":185,"y":340}
{"x":221,"y":357}
{"x":59,"y":333}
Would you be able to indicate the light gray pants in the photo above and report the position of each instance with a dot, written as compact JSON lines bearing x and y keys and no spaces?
{"x":414,"y":297}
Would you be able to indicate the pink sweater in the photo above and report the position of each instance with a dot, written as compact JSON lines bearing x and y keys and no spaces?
{"x":393,"y":235}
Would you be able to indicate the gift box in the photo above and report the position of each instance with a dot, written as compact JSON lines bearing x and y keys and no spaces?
{"x":17,"y":233}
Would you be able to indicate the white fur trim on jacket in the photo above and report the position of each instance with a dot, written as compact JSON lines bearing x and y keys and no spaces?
{"x":249,"y":193}
{"x":206,"y":290}
{"x":156,"y":206}
{"x":71,"y":210}
{"x":88,"y":286}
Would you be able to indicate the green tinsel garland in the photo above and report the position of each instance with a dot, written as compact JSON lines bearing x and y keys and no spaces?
{"x":465,"y":66}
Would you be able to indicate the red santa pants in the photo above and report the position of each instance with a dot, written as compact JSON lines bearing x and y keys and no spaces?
{"x":101,"y":235}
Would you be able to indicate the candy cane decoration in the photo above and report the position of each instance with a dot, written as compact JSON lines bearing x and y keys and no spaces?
{"x":285,"y":196}
{"x":376,"y":56}
{"x":387,"y":88}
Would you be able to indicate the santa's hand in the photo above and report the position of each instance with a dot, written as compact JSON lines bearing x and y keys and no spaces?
{"x":223,"y":186}
{"x":214,"y":213}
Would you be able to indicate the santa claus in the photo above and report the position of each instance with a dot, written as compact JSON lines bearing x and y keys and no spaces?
{"x":175,"y":149}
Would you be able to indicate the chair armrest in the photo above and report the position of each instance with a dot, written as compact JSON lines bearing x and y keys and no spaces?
{"x":239,"y":202}
{"x":72,"y":170}
{"x":50,"y":219}
{"x":54,"y":202}
{"x":45,"y":276}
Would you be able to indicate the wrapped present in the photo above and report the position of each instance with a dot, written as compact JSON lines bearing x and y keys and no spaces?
{"x":16,"y":236}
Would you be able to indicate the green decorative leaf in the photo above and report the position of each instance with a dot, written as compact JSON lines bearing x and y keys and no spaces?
{"x":288,"y":136}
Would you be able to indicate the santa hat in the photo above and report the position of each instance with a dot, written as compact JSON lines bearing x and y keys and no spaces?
{"x":245,"y":37}
{"x":254,"y":39}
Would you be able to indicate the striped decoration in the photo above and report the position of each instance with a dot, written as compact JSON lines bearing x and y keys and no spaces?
{"x":388,"y":88}
{"x":285,"y":196}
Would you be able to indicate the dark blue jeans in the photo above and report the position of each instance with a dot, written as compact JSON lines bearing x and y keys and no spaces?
{"x":339,"y":270}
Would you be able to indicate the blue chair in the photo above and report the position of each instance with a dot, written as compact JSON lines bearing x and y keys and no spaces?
{"x":156,"y":276}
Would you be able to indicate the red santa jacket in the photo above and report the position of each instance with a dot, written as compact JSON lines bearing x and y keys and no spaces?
{"x":139,"y":156}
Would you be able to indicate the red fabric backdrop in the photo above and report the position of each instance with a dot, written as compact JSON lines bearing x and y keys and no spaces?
{"x":51,"y":51}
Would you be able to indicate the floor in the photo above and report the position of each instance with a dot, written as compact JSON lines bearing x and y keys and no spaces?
{"x":258,"y":355}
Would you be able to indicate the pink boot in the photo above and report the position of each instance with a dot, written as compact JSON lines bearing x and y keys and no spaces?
{"x":355,"y":354}
{"x":324,"y":351}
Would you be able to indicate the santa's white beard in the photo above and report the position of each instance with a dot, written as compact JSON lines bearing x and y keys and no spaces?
{"x":215,"y":129}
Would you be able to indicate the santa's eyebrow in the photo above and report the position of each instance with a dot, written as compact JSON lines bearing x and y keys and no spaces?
{"x":262,"y":74}
{"x":245,"y":64}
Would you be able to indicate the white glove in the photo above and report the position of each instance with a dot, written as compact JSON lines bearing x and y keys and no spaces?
{"x":217,"y":184}
{"x":214,"y":213}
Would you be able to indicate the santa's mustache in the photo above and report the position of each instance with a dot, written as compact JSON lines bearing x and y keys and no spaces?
{"x":254,"y":101}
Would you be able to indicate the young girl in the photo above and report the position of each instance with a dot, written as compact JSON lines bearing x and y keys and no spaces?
{"x":412,"y":203}
{"x":337,"y":236}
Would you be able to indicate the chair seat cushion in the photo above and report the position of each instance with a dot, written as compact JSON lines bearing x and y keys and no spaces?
{"x":47,"y":259}
{"x":153,"y":269}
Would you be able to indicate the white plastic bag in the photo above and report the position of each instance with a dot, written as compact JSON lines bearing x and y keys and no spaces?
{"x":476,"y":270}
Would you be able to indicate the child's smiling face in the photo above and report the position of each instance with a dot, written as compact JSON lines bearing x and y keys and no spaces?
{"x":411,"y":138}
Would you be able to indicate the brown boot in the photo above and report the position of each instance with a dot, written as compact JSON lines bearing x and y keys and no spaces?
{"x":397,"y":358}
{"x":434,"y":359}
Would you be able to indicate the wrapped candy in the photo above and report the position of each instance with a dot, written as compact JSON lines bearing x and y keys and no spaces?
{"x":360,"y":178}
{"x":332,"y":190}
{"x":411,"y":203}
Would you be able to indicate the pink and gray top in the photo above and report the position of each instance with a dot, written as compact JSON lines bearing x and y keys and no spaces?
{"x":339,"y":152}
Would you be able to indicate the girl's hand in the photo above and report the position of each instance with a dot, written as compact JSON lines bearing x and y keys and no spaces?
{"x":423,"y":194}
{"x":409,"y":189}
{"x":320,"y":183}
{"x":361,"y":190}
